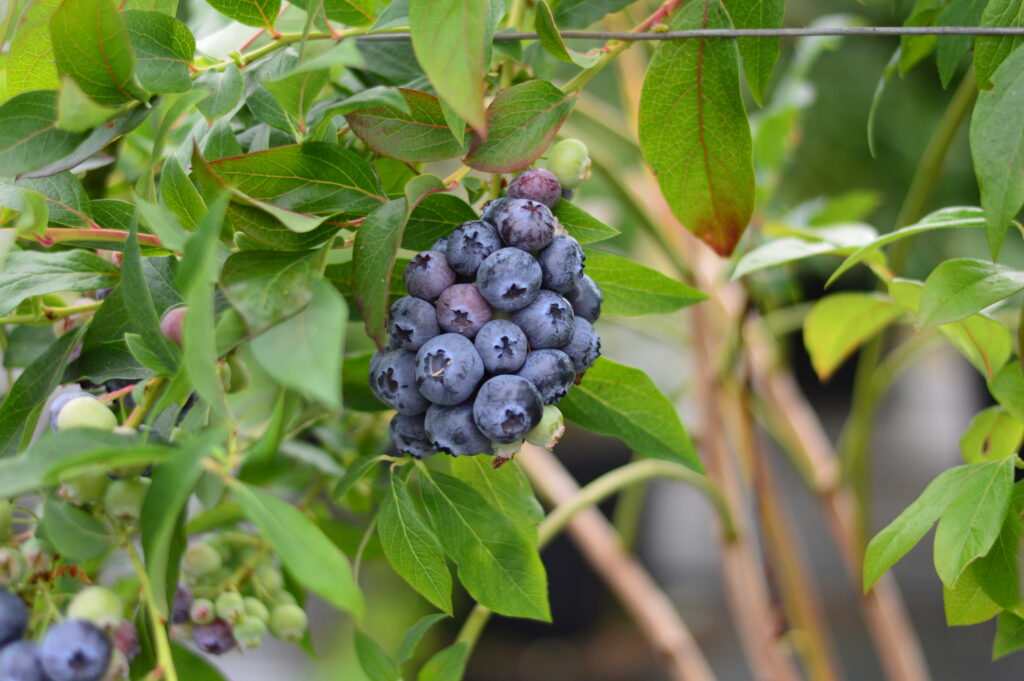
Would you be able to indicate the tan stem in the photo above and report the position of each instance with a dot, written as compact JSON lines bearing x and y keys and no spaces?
{"x":646,"y":603}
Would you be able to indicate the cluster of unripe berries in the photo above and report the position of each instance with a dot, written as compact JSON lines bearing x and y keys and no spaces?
{"x":93,"y":642}
{"x":222,"y":615}
{"x":497,"y":327}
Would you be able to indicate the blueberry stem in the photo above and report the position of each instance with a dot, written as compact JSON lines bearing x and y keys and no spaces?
{"x":150,"y":394}
{"x":358,"y":561}
{"x":165,"y":662}
{"x":50,"y":314}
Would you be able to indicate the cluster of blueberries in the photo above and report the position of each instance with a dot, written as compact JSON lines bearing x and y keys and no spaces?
{"x":92,"y":643}
{"x":498,"y":323}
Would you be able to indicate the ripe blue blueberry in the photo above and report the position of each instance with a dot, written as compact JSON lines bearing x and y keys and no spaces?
{"x":13,"y":617}
{"x":410,"y":437}
{"x":20,"y":662}
{"x":183,"y":600}
{"x":75,"y":650}
{"x":536,"y":184}
{"x":215,"y":638}
{"x":462,"y":310}
{"x":584,"y":347}
{"x":502,"y":346}
{"x":506,"y":408}
{"x":428,"y":274}
{"x":441,"y":245}
{"x":448,"y":369}
{"x":525,"y":224}
{"x":454,"y":432}
{"x":469,"y":244}
{"x":393,"y":381}
{"x":547,"y":321}
{"x":411,"y":323}
{"x":586,"y":299}
{"x":561,"y":264}
{"x":509,"y":279}
{"x":491,"y":209}
{"x":551,"y":371}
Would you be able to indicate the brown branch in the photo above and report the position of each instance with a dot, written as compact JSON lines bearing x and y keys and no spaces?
{"x":639,"y":595}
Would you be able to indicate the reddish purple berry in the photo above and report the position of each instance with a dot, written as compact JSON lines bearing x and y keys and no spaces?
{"x":428,"y":274}
{"x":536,"y":184}
{"x":462,"y":309}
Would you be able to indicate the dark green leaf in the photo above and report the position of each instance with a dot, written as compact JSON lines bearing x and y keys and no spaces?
{"x":269,"y":233}
{"x":581,"y":225}
{"x":141,"y":309}
{"x":996,"y":572}
{"x":258,"y":13}
{"x":72,"y":532}
{"x":413,"y":636}
{"x":437,"y":215}
{"x":618,"y":400}
{"x":552,"y":41}
{"x":412,"y":548}
{"x":839,"y":323}
{"x":694,"y":131}
{"x":267,"y":287}
{"x":304,"y":351}
{"x":375,"y":662}
{"x":451,"y":39}
{"x":499,"y":567}
{"x":418,"y":133}
{"x":990,"y":51}
{"x":36,"y":273}
{"x":296,"y":539}
{"x":632,"y":290}
{"x":448,"y":664}
{"x":521,"y":122}
{"x":997,"y":145}
{"x":91,"y":44}
{"x":348,"y":12}
{"x":355,"y":472}
{"x":1009,"y":635}
{"x":23,"y":401}
{"x":759,"y":54}
{"x":66,"y":199}
{"x":296,"y":92}
{"x":193,"y":666}
{"x":582,"y":13}
{"x":29,"y":138}
{"x":163,"y":47}
{"x":960,"y":287}
{"x":950,"y":49}
{"x":506,"y":490}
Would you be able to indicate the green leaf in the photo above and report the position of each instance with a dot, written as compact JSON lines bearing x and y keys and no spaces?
{"x":450,"y":38}
{"x":163,"y":47}
{"x":836,"y":240}
{"x":141,"y":309}
{"x":165,"y":502}
{"x":66,"y":199}
{"x":21,"y":406}
{"x":72,"y":532}
{"x":297,"y":540}
{"x":839,"y":323}
{"x":583,"y":13}
{"x":348,"y":12}
{"x":36,"y":273}
{"x":1009,"y":635}
{"x":269,"y":233}
{"x":581,"y":225}
{"x":258,"y":13}
{"x":632,"y":290}
{"x":907,"y":529}
{"x":76,"y":112}
{"x":306,"y":178}
{"x":618,"y":400}
{"x":34,"y":219}
{"x":94,"y":142}
{"x":950,"y":49}
{"x":30,"y":55}
{"x":521,"y":122}
{"x":267,"y":287}
{"x":997,"y":571}
{"x":413,"y":636}
{"x":99,"y":57}
{"x":304,"y":351}
{"x":355,"y":472}
{"x":506,"y":490}
{"x":944,"y":218}
{"x":1008,"y":388}
{"x":296,"y":92}
{"x":29,"y":138}
{"x":759,"y":54}
{"x":437,"y":215}
{"x":376,"y":246}
{"x":499,"y":567}
{"x":990,"y":51}
{"x":694,"y":131}
{"x":448,"y":664}
{"x":962,"y":286}
{"x":412,"y":548}
{"x":967,"y":603}
{"x":418,"y":132}
{"x":180,"y":195}
{"x":193,"y":666}
{"x":997,"y":145}
{"x":375,"y":662}
{"x":552,"y":41}
{"x":225,"y":89}
{"x":972,"y":521}
{"x":992,"y":435}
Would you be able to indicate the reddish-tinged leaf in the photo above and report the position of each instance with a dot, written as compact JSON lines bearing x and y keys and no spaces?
{"x":694,"y":131}
{"x":419,"y":134}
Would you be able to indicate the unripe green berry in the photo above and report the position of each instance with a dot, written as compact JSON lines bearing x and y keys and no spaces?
{"x":99,"y":605}
{"x":202,"y":559}
{"x":222,"y":546}
{"x":240,"y":376}
{"x":38,"y":555}
{"x":254,"y":607}
{"x":86,"y":411}
{"x":550,"y":429}
{"x":224,"y":374}
{"x":249,"y":632}
{"x":13,"y":568}
{"x":124,"y":498}
{"x":118,"y":668}
{"x":230,"y":606}
{"x":171,"y":324}
{"x":85,"y":489}
{"x":569,"y":160}
{"x":288,"y":623}
{"x":283,"y":597}
{"x":203,"y":611}
{"x":269,"y":577}
{"x":6,"y":518}
{"x":503,"y":453}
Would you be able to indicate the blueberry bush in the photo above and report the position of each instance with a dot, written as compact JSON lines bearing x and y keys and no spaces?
{"x":289,"y":287}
